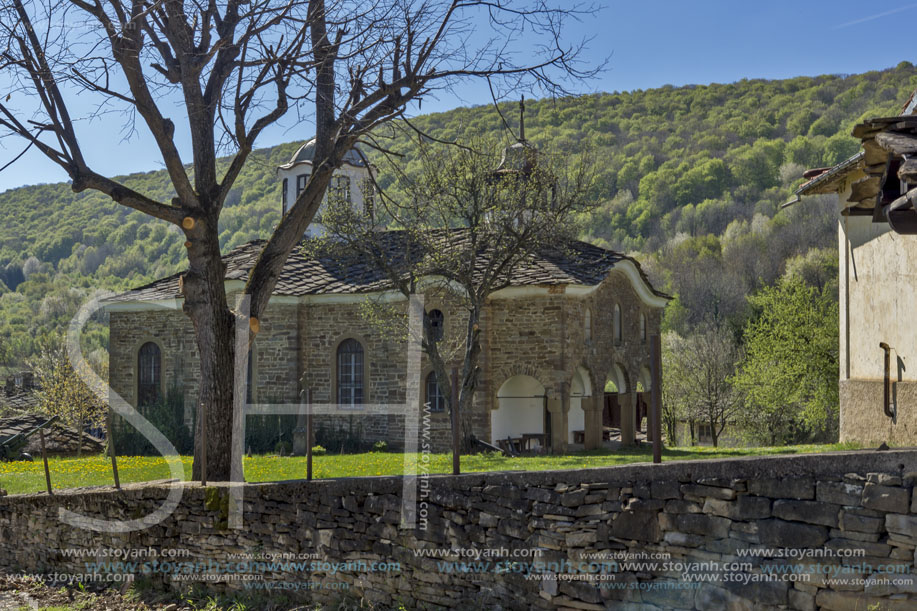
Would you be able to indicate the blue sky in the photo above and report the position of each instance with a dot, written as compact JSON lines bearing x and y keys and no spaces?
{"x":647,"y":44}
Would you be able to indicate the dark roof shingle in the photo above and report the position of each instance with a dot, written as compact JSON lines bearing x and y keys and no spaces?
{"x":577,"y":263}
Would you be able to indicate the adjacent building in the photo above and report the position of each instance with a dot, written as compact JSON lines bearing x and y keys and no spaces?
{"x":877,"y":256}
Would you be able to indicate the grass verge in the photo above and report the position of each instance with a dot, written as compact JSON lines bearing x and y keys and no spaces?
{"x":23,"y":477}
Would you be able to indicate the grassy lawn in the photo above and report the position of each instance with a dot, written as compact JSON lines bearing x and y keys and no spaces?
{"x":20,"y":477}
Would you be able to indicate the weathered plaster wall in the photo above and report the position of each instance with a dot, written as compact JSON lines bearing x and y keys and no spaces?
{"x":882,"y":284}
{"x":877,"y":298}
{"x":862,"y":418}
{"x":706,"y":513}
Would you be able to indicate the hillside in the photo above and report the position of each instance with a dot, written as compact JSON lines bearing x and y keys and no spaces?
{"x":691,"y":177}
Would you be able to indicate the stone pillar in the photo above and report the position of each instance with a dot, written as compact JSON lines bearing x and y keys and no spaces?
{"x":558,"y":430}
{"x":592,"y":407}
{"x":628,"y":429}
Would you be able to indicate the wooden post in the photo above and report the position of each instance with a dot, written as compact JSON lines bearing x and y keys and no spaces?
{"x":656,"y":398}
{"x":309,"y":441}
{"x":456,"y":456}
{"x":112,"y":451}
{"x":44,"y":459}
{"x":203,"y":445}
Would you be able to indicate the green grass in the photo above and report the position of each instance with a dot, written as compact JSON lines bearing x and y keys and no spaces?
{"x":21,"y":477}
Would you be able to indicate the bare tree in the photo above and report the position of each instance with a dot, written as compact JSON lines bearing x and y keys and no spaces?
{"x":234,"y":68}
{"x":699,"y":369}
{"x":466,"y":223}
{"x":674,"y":392}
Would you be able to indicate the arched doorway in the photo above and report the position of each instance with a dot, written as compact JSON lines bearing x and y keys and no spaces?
{"x":521,"y":411}
{"x":618,"y":409}
{"x":580,"y":390}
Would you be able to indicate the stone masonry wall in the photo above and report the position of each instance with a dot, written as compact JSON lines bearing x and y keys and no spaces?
{"x":707,"y":534}
{"x":542,"y":336}
{"x":275,"y":368}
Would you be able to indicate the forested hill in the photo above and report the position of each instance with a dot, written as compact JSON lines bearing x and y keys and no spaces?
{"x":697,"y":168}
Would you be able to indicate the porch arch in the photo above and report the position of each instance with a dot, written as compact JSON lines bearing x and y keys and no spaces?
{"x":521,"y":409}
{"x":581,"y":391}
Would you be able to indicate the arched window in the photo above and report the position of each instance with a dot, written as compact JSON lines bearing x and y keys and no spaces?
{"x":617,"y":324}
{"x":437,"y":320}
{"x":587,"y":324}
{"x":435,"y":396}
{"x":368,"y":190}
{"x":149,"y":374}
{"x":643,"y":327}
{"x":350,"y":372}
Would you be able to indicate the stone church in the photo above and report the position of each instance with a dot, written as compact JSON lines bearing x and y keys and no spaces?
{"x":569,"y":324}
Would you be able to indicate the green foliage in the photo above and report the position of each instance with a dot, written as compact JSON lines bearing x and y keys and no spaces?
{"x":269,"y":433}
{"x":789,"y":375}
{"x":168,"y":416}
{"x":318,"y":451}
{"x":341,"y":435}
{"x":380,"y":446}
{"x":689,"y":160}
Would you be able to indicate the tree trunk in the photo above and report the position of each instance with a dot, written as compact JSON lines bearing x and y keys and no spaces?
{"x":205,"y":303}
{"x":79,"y":437}
{"x":469,"y":378}
{"x":671,"y":428}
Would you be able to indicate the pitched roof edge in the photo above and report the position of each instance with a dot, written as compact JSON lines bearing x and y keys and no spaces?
{"x":606,"y":258}
{"x":829,"y":176}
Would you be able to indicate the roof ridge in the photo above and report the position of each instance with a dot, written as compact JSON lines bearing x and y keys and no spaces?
{"x":572,"y":261}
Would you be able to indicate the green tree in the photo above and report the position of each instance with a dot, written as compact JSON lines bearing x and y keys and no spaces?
{"x":789,"y":374}
{"x":698,"y":370}
{"x":62,"y":391}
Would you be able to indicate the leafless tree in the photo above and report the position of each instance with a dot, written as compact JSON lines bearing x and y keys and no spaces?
{"x":232,"y":69}
{"x":699,"y":368}
{"x":466,"y":223}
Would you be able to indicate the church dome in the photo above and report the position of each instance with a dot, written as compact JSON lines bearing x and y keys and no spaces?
{"x":520,"y":157}
{"x":306,"y":153}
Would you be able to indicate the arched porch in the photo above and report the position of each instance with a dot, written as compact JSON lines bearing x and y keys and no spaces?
{"x":521,"y":418}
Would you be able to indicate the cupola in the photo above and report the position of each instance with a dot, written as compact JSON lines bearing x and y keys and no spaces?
{"x":352,"y":182}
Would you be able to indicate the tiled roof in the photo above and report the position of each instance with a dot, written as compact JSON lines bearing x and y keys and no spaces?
{"x":58,"y":438}
{"x":826,"y":180}
{"x":17,"y":400}
{"x":577,"y":263}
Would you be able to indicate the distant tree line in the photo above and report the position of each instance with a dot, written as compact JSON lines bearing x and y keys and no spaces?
{"x":690,"y":180}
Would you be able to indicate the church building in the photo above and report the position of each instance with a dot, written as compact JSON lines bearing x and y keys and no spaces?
{"x":570,"y":322}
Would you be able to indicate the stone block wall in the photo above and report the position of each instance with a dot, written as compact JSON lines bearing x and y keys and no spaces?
{"x":833,"y":531}
{"x":541,"y":334}
{"x":275,"y":350}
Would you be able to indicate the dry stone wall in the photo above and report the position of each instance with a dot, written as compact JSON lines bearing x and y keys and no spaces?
{"x":832,"y":531}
